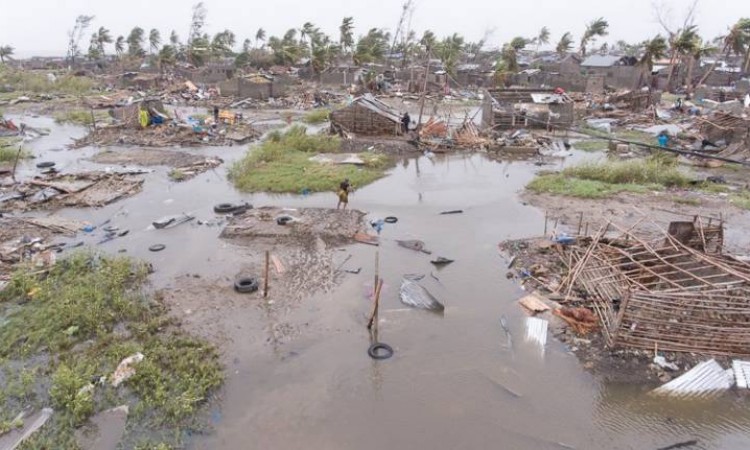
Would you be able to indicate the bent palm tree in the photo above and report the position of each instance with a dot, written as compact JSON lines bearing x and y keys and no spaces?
{"x":594,"y":29}
{"x":653,"y":50}
{"x":5,"y":52}
{"x":736,"y":41}
{"x":565,"y":44}
{"x":542,"y":38}
{"x":154,"y":40}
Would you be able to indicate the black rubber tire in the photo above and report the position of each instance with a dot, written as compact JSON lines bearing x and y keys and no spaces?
{"x":373,"y":351}
{"x":283,"y":220}
{"x":224,"y":208}
{"x":390,"y":219}
{"x":45,"y":165}
{"x":246,"y":285}
{"x":157,"y":247}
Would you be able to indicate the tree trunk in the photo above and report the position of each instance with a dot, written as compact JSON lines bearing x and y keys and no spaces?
{"x":747,"y":61}
{"x":691,"y":64}
{"x":713,"y":66}
{"x":672,"y":62}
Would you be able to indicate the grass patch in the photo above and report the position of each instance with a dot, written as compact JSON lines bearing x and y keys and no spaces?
{"x":591,"y":145}
{"x":687,"y":201}
{"x":604,"y":179}
{"x":9,"y":150}
{"x":317,"y":116}
{"x":740,"y":199}
{"x":559,"y":184}
{"x":37,"y":82}
{"x":282,"y":164}
{"x":177,"y":175}
{"x":65,"y":332}
{"x":80,"y":116}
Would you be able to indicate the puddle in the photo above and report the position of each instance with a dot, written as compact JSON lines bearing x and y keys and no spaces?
{"x":454,"y":381}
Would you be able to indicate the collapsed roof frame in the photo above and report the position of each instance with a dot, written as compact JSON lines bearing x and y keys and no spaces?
{"x":671,"y":294}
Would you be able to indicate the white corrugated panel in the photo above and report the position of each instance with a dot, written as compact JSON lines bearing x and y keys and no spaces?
{"x":706,"y":379}
{"x":741,"y":373}
{"x":536,"y":331}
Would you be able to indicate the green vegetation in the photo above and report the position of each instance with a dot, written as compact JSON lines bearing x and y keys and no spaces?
{"x":282,"y":164}
{"x":80,"y":116}
{"x":177,"y":175}
{"x":689,"y":201}
{"x":9,"y":150}
{"x":64,"y":334}
{"x":604,"y":179}
{"x":317,"y":116}
{"x":25,"y":81}
{"x":591,"y":145}
{"x":740,"y":199}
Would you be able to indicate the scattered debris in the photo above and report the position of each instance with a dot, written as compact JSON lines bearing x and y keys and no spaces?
{"x":415,"y":245}
{"x":125,"y":369}
{"x":533,"y":304}
{"x":414,"y":295}
{"x":441,"y":261}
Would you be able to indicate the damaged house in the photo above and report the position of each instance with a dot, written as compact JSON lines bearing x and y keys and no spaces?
{"x":514,"y":108}
{"x":619,"y":72}
{"x":367,"y":116}
{"x":675,"y":293}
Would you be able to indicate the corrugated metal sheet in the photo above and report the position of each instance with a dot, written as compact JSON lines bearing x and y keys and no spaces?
{"x":600,"y":61}
{"x":706,"y":379}
{"x":536,"y":331}
{"x":741,"y":373}
{"x":373,"y":104}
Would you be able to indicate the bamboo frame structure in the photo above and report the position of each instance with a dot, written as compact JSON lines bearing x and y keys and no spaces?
{"x":680,"y":293}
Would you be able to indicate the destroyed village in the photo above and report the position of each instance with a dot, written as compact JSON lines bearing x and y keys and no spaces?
{"x":348,"y":225}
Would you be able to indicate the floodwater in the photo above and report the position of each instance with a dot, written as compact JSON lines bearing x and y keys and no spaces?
{"x":455,"y":381}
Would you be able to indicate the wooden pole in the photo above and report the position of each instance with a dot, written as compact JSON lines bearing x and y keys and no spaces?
{"x":377,"y":271}
{"x":265,"y":282}
{"x":580,"y":223}
{"x":93,"y":119}
{"x":376,"y":307}
{"x":424,"y":91}
{"x":15,"y":163}
{"x":545,"y":223}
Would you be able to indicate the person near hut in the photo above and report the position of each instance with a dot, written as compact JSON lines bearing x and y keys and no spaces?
{"x":216,"y":115}
{"x":405,"y":122}
{"x":344,"y":189}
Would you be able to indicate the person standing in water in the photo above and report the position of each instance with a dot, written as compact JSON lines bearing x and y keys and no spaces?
{"x":344,"y":188}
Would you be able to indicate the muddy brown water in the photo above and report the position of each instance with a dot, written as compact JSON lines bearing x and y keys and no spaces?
{"x":454,"y":382}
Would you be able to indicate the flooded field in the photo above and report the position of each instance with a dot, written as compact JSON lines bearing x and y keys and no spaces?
{"x":298,"y":373}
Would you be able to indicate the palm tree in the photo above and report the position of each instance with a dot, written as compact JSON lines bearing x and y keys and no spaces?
{"x":174,"y":39}
{"x":518,"y":43}
{"x":223,"y":43}
{"x":346,"y":35}
{"x":120,"y":46}
{"x":699,"y":51}
{"x":449,"y":51}
{"x":154,"y":40}
{"x":167,"y":55}
{"x":736,"y":41}
{"x":594,"y":29}
{"x":682,"y":44}
{"x":542,"y":38}
{"x":135,"y":42}
{"x":103,"y":37}
{"x":260,"y":35}
{"x":565,"y":44}
{"x":653,"y":50}
{"x":5,"y":52}
{"x":428,"y":41}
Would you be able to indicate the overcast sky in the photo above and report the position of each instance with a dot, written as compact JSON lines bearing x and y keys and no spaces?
{"x":38,"y":27}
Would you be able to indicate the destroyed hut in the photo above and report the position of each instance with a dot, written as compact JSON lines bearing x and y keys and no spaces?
{"x":367,"y":116}
{"x":505,"y":109}
{"x":676,"y":293}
